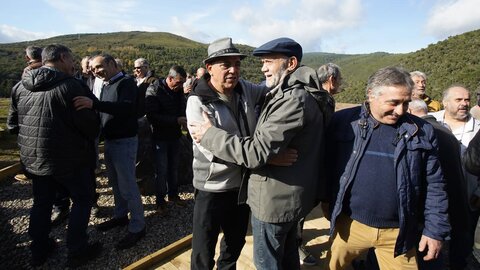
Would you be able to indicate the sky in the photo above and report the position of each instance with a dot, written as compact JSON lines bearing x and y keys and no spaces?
{"x":333,"y":26}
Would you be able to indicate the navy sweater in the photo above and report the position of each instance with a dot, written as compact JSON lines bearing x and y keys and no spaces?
{"x":118,"y":109}
{"x":372,"y":196}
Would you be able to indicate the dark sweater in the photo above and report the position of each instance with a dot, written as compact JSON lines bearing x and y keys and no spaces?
{"x":117,"y":107}
{"x":372,"y":196}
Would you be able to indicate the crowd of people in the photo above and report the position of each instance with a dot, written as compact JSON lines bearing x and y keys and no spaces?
{"x":397,"y":177}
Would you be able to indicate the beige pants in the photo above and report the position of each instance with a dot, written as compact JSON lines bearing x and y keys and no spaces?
{"x":352,"y":238}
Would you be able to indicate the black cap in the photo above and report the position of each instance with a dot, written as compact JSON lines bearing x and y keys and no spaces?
{"x":286,"y":46}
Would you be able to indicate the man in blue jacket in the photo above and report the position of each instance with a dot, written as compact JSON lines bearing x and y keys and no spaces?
{"x":386,"y":177}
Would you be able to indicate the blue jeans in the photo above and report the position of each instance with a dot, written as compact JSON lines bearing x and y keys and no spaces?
{"x":120,"y":160}
{"x":167,"y":155}
{"x":275,"y":245}
{"x":79,"y":185}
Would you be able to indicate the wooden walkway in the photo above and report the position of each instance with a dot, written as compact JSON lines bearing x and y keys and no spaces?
{"x":315,"y":236}
{"x":177,"y":255}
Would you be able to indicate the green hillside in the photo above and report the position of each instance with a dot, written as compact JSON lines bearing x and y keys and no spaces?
{"x":162,"y":50}
{"x":454,"y":60}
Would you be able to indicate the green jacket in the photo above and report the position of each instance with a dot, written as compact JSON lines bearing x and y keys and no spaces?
{"x":290,"y":118}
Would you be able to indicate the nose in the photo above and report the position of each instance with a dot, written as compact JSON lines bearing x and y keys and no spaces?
{"x":264,"y":68}
{"x":400,"y":109}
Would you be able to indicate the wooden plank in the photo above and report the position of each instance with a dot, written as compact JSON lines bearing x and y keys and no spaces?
{"x":315,"y":237}
{"x":163,"y":254}
{"x":10,"y":170}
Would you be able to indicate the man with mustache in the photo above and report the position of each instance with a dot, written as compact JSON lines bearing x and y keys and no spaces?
{"x":456,"y":115}
{"x":386,"y":178}
{"x":457,"y":118}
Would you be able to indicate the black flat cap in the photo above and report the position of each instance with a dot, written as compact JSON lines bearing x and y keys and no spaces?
{"x":286,"y":46}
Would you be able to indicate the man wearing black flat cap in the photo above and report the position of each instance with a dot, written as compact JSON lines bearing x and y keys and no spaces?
{"x":278,"y":196}
{"x":230,"y":102}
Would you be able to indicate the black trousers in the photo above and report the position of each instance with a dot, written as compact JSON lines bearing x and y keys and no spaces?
{"x":79,"y":185}
{"x":214,"y":212}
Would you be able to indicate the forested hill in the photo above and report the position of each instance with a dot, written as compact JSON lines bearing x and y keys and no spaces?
{"x":454,"y":60}
{"x":161,"y":49}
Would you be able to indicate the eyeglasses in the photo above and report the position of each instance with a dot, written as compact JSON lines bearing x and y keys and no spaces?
{"x":138,"y":67}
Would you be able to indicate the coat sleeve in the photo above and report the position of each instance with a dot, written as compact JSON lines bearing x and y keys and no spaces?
{"x":194,"y":114}
{"x":85,"y":120}
{"x":471,"y":157}
{"x":284,"y":119}
{"x":437,"y":225}
{"x":12,"y":120}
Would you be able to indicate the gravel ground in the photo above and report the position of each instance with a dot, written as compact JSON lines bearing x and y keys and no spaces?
{"x":16,"y":201}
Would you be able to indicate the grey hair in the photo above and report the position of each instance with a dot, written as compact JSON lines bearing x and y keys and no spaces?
{"x":446,"y":92}
{"x":388,"y":76}
{"x":34,"y":53}
{"x":418,"y":104}
{"x":327,"y":70}
{"x":142,"y":62}
{"x":177,"y":71}
{"x":119,"y":63}
{"x":53,"y":52}
{"x":418,"y":74}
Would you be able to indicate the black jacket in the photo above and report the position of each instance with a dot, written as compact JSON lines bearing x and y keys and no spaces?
{"x":54,"y":138}
{"x":450,"y":160}
{"x":142,"y":89}
{"x":163,"y":106}
{"x":471,"y":156}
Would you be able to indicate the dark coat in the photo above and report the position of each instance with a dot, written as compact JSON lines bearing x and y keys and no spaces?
{"x":420,"y":184}
{"x":54,"y":138}
{"x":163,"y":106}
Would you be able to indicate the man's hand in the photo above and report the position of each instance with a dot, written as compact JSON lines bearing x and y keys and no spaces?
{"x":197,"y":130}
{"x":433,"y":247}
{"x":82,"y":102}
{"x":285,"y":158}
{"x":182,"y":121}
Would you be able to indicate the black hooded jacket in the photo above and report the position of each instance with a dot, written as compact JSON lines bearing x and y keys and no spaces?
{"x":54,"y":138}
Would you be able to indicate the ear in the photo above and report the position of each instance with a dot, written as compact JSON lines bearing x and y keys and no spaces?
{"x":292,"y":63}
{"x":369,"y":95}
{"x":208,"y":67}
{"x":62,"y":57}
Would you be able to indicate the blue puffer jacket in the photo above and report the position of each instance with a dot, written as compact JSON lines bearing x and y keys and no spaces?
{"x":420,"y":184}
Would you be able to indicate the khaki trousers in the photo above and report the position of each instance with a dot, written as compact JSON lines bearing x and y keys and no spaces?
{"x":352,"y":238}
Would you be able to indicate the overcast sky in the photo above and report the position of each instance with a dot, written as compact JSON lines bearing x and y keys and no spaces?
{"x":336,"y":26}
